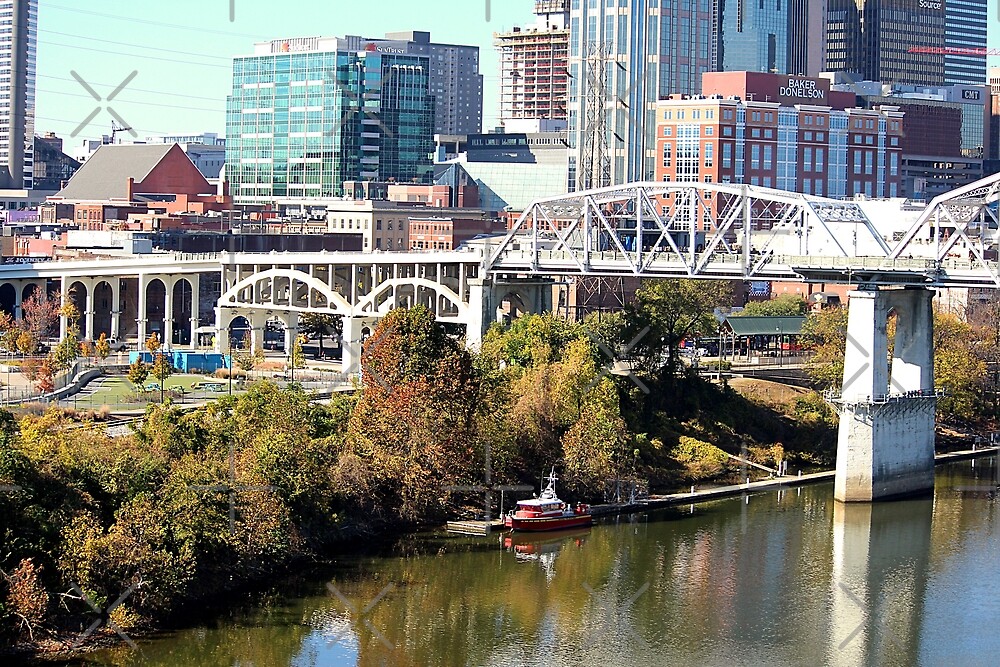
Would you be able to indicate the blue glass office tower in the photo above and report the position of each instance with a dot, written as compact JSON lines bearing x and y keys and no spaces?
{"x":304,"y":116}
{"x":965,"y":24}
{"x":755,"y":35}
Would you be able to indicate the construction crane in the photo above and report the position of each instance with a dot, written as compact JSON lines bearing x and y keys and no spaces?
{"x":116,"y":128}
{"x":954,"y":51}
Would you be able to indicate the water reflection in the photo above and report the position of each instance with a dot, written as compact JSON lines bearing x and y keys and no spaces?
{"x":784,"y":578}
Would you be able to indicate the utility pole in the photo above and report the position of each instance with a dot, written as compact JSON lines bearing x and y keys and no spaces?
{"x":594,"y":169}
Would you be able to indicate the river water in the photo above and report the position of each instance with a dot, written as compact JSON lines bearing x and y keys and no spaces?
{"x":779,"y":578}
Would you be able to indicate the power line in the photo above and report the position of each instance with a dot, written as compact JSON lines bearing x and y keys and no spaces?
{"x":134,"y":90}
{"x":91,"y":49}
{"x":138,"y":46}
{"x":150,"y":104}
{"x":158,"y":24}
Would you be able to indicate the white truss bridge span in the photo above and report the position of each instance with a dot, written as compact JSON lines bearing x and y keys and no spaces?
{"x":745,"y":232}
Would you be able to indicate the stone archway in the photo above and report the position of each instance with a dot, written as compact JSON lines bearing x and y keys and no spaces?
{"x":8,"y":299}
{"x":76,"y":294}
{"x":104,"y":306}
{"x":182,"y":303}
{"x":155,"y":303}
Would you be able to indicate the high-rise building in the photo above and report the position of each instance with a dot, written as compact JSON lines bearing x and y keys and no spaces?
{"x":806,"y":37}
{"x":623,"y":57}
{"x":533,"y":75}
{"x":965,"y":23}
{"x":454,"y":78}
{"x":892,"y":41}
{"x":18,"y":26}
{"x":305,"y":115}
{"x":754,"y":35}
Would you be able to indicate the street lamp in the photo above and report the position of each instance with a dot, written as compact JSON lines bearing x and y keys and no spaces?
{"x":229,"y":333}
{"x":777,"y":335}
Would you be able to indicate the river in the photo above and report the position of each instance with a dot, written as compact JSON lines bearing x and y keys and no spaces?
{"x":780,"y":578}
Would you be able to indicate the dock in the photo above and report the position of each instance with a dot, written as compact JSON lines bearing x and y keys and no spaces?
{"x":473,"y":527}
{"x":704,"y":495}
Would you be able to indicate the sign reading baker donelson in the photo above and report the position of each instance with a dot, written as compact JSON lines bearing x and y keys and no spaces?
{"x":802,"y":89}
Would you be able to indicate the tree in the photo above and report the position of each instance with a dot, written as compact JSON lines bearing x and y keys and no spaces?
{"x":138,"y":372}
{"x":321,"y":325}
{"x":27,"y":343}
{"x":246,"y":357}
{"x":40,"y":313}
{"x":162,"y":369}
{"x":825,"y":333}
{"x":45,"y":381}
{"x":102,"y":348}
{"x":786,"y":305}
{"x":153,"y":343}
{"x":66,"y":352}
{"x":671,"y":310}
{"x":298,"y":360}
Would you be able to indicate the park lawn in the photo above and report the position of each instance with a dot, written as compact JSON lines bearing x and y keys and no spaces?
{"x":118,"y":390}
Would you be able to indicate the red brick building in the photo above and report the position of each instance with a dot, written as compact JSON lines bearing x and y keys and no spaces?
{"x":122,"y":180}
{"x":786,"y":132}
{"x":448,"y":233}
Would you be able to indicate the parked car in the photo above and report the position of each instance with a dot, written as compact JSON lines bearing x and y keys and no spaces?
{"x":117,"y":345}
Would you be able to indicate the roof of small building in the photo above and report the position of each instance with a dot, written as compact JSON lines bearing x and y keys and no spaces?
{"x":763,"y":326}
{"x":105,"y":174}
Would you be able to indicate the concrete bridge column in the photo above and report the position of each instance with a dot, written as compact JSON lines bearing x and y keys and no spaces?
{"x":258,"y":322}
{"x":351,"y":344}
{"x":63,"y":300}
{"x":291,"y":331}
{"x":168,"y":312}
{"x":886,"y":439}
{"x":116,"y":307}
{"x":141,"y":312}
{"x":220,"y":327}
{"x":18,"y":300}
{"x":88,"y":315}
{"x":482,"y":311}
{"x":195,"y":307}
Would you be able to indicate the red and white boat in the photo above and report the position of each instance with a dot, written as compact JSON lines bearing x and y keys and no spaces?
{"x":547,"y":512}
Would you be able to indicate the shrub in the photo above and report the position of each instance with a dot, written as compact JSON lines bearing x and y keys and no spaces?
{"x":699,"y":458}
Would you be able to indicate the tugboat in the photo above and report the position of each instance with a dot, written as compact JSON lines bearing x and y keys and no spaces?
{"x":547,"y":512}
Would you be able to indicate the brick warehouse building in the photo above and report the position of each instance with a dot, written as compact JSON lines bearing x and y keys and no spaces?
{"x":786,"y":132}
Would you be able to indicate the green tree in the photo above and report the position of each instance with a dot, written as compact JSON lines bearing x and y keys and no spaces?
{"x":246,"y":357}
{"x":67,"y":351}
{"x":321,"y":325}
{"x":596,"y":446}
{"x":138,"y":372}
{"x":668,"y":311}
{"x":786,"y":305}
{"x":162,"y":369}
{"x":825,"y":333}
{"x":958,"y":368}
{"x":297,"y":358}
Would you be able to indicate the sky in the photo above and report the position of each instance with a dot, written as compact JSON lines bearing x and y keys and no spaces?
{"x":181,"y":52}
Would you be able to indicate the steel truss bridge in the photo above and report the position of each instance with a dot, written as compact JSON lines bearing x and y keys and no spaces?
{"x":746,"y":232}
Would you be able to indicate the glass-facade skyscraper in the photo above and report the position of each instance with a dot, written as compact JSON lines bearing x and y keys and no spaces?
{"x":876,"y":38}
{"x":18,"y":37}
{"x":755,"y":35}
{"x":965,"y":25}
{"x":303,"y":118}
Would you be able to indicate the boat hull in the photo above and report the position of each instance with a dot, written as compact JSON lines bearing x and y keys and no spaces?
{"x":541,"y":524}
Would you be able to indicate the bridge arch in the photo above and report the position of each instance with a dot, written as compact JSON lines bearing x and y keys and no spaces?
{"x":316,"y":297}
{"x":447,"y":303}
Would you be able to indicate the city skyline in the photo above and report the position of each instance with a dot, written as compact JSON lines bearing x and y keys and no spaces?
{"x":183,"y":54}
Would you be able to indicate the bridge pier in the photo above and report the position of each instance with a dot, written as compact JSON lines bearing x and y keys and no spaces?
{"x":886,"y":439}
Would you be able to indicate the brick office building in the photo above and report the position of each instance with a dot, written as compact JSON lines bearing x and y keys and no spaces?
{"x":786,"y":132}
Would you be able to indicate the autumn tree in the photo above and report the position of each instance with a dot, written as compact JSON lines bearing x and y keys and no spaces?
{"x":320,"y":326}
{"x":45,"y":382}
{"x":40,"y":314}
{"x":66,"y":352}
{"x":825,"y":333}
{"x":596,"y":445}
{"x":138,"y":372}
{"x":413,"y":427}
{"x":102,"y":348}
{"x":153,"y":343}
{"x":297,"y":359}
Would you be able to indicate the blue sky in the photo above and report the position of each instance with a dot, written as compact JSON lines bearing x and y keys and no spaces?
{"x":182,"y":50}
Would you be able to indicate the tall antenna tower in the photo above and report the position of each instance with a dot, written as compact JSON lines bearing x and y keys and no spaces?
{"x":594,"y":170}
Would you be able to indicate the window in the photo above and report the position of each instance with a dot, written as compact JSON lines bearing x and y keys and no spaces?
{"x":819,"y":160}
{"x":709,"y":131}
{"x":668,"y":154}
{"x":768,"y":151}
{"x":807,"y":159}
{"x":727,"y":156}
{"x":868,"y":161}
{"x":668,"y":131}
{"x":857,"y":161}
{"x":709,"y":155}
{"x":755,"y":156}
